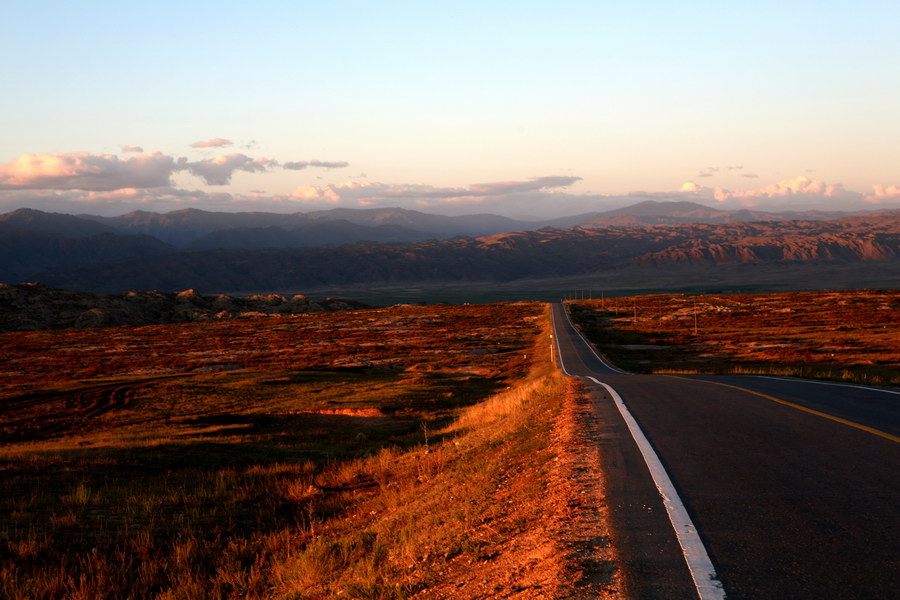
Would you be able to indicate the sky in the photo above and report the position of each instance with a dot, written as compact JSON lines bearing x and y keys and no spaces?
{"x":529,"y":109}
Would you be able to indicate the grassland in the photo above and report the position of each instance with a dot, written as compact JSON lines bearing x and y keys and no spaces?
{"x":388,"y":453}
{"x":850,"y":336}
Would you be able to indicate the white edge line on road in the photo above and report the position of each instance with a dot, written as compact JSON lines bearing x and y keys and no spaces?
{"x":849,"y":385}
{"x":589,"y":345}
{"x":695,"y":555}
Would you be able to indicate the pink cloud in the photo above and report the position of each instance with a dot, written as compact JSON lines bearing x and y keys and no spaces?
{"x":137,"y":149}
{"x":113,"y":202}
{"x":797,"y":193}
{"x":214,"y":143}
{"x":366,"y":193}
{"x":96,"y":172}
{"x":884,"y":194}
{"x":791,"y":188}
{"x":84,"y":171}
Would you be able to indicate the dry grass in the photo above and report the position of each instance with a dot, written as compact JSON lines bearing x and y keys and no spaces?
{"x":849,"y":336}
{"x":274,"y":482}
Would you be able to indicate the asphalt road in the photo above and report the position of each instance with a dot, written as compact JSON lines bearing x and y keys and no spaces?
{"x":788,"y":503}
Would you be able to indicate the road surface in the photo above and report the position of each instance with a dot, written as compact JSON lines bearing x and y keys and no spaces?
{"x":793,"y":487}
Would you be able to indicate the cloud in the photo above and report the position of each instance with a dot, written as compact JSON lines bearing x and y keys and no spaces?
{"x":84,"y":171}
{"x":791,"y":188}
{"x":511,"y":187}
{"x":367,"y":194}
{"x":329,"y":165}
{"x":884,"y":194}
{"x":358,"y":193}
{"x":215,"y":143}
{"x":114,"y":202}
{"x":799,"y":193}
{"x":689,"y":187}
{"x":299,"y":165}
{"x":218,"y":170}
{"x":137,"y":149}
{"x":105,"y":183}
{"x":712,"y":171}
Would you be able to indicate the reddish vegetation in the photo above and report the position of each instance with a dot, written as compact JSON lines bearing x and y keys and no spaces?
{"x":471,"y":338}
{"x":132,"y":469}
{"x":812,"y":333}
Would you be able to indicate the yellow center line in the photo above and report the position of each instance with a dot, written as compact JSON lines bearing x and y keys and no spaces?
{"x":811,"y":411}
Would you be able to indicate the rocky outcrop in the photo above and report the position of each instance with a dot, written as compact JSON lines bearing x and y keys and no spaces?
{"x":33,"y":306}
{"x":841,"y":241}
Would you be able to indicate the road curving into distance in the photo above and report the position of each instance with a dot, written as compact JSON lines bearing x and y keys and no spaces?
{"x":793,"y":487}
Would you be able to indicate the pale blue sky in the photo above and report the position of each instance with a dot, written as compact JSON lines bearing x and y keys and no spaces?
{"x":626,"y":96}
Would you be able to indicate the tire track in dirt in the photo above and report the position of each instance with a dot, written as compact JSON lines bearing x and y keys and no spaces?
{"x":49,"y":413}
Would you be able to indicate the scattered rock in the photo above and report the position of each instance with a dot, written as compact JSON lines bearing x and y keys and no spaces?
{"x":35,"y":306}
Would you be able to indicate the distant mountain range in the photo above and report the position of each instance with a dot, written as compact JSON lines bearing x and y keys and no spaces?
{"x":244,"y":252}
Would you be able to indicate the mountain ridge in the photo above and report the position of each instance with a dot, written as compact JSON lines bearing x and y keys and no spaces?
{"x":501,"y":258}
{"x":36,"y":245}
